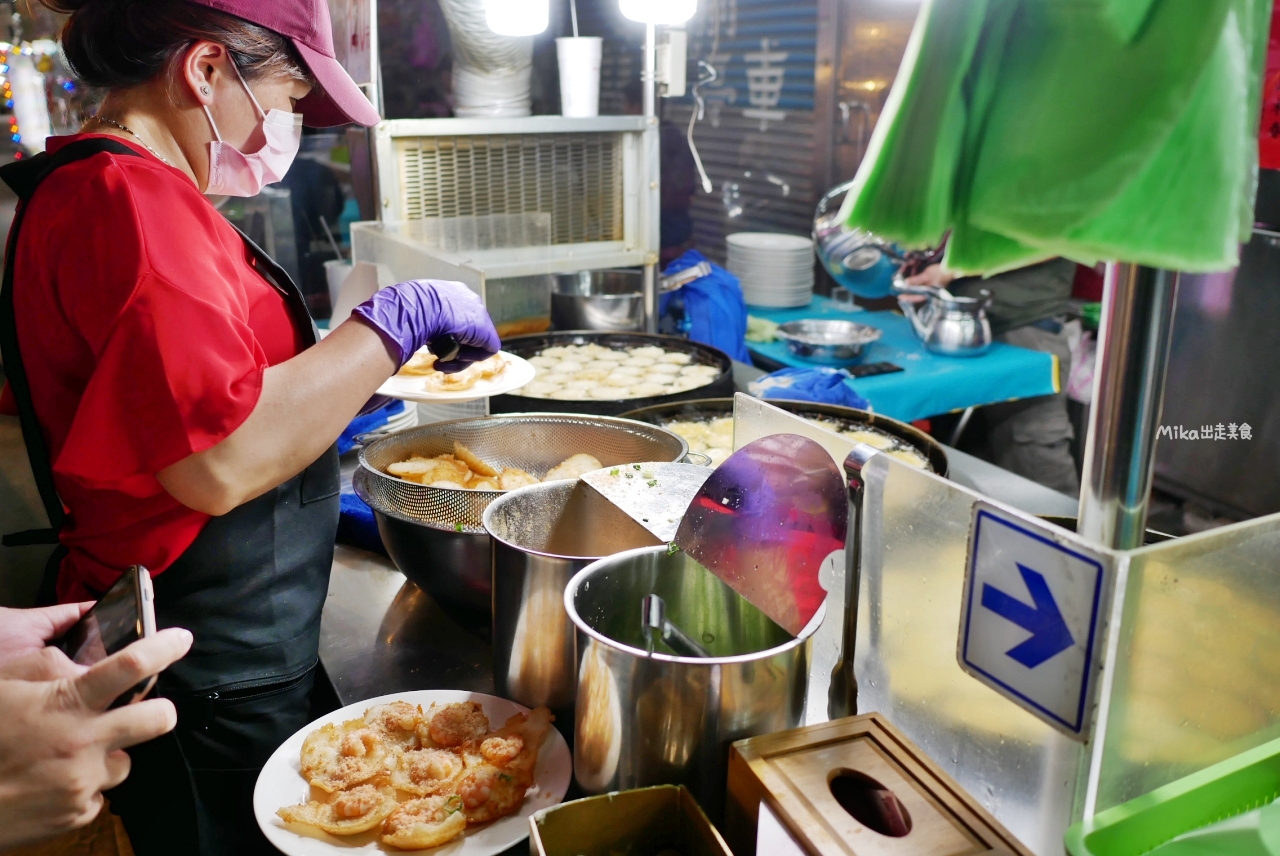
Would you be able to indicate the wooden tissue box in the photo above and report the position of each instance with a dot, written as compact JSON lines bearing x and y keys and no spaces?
{"x":852,"y":787}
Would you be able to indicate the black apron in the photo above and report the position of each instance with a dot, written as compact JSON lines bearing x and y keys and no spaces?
{"x":250,"y":588}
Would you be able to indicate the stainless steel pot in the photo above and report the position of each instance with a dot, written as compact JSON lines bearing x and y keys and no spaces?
{"x":543,"y":534}
{"x":610,"y":300}
{"x":656,"y":718}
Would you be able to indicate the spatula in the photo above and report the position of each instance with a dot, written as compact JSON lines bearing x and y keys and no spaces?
{"x":765,"y":520}
{"x":655,"y":495}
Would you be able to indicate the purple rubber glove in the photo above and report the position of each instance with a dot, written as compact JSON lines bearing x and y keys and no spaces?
{"x":411,"y":314}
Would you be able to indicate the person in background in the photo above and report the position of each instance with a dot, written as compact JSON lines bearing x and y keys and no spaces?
{"x":679,"y":180}
{"x":1032,"y":436}
{"x":60,"y":745}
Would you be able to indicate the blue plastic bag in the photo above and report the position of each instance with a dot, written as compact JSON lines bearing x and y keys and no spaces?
{"x":819,"y":384}
{"x":714,"y":310}
{"x":367,"y":422}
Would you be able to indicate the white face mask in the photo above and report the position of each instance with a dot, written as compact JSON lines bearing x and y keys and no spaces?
{"x":234,"y":173}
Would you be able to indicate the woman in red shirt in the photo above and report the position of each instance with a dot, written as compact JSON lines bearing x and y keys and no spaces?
{"x":177,"y":408}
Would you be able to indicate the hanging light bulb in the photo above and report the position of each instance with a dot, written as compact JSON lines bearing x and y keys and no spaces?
{"x":517,"y":17}
{"x":665,"y":12}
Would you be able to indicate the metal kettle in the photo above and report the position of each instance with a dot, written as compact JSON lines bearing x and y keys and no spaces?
{"x":948,"y":325}
{"x":861,"y":262}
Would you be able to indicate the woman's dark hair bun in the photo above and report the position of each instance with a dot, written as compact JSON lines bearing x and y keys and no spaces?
{"x":121,"y":43}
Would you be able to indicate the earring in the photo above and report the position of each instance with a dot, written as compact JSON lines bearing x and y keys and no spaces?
{"x":204,"y":90}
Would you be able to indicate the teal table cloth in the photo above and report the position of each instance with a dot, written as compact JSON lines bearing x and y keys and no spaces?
{"x":929,"y":384}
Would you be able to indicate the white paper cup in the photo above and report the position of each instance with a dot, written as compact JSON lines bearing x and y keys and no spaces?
{"x":579,"y":75}
{"x":336,"y":272}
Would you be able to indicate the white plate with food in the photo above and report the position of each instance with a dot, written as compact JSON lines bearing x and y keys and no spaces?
{"x":454,"y":772}
{"x":419,"y":381}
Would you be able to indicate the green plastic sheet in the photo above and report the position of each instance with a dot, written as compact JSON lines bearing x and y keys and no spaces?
{"x":1091,"y":129}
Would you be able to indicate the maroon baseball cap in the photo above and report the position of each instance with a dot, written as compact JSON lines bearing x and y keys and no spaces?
{"x":336,"y":100}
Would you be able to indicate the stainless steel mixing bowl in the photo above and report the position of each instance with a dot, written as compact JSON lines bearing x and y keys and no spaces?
{"x":826,"y":341}
{"x":436,"y":536}
{"x":610,"y":300}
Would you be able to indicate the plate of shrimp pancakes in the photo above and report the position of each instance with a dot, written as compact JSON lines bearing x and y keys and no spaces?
{"x":456,"y":771}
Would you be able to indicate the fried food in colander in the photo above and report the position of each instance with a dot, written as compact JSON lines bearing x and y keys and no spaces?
{"x":575,"y":466}
{"x":430,"y":774}
{"x":465,"y":470}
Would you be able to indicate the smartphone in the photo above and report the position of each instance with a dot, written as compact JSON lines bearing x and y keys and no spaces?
{"x":125,"y":614}
{"x":873,"y":369}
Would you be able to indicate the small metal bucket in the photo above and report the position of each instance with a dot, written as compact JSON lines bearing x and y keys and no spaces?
{"x":543,"y":534}
{"x":656,"y":718}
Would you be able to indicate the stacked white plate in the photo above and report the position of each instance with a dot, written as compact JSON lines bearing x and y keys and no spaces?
{"x":775,"y":269}
{"x":406,"y":419}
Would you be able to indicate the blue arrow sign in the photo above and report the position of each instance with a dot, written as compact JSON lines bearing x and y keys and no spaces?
{"x":1044,"y":621}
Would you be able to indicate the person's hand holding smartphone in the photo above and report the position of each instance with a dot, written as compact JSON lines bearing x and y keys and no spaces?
{"x":125,"y":614}
{"x":61,"y":744}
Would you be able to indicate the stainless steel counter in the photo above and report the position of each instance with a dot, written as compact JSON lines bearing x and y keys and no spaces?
{"x":381,"y":634}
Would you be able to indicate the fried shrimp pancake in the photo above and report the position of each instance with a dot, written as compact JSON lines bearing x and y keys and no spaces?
{"x":457,"y":723}
{"x":501,"y":751}
{"x":346,"y":812}
{"x":438,"y":381}
{"x":489,"y":793}
{"x":421,"y":363}
{"x":573,"y":467}
{"x":501,"y":770}
{"x":396,"y":723}
{"x":514,"y":477}
{"x":337,"y":757}
{"x":428,"y":470}
{"x":427,"y":772}
{"x":472,"y":460}
{"x":422,"y":823}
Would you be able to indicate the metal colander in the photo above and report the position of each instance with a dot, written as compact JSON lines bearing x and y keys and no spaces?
{"x":534,"y":442}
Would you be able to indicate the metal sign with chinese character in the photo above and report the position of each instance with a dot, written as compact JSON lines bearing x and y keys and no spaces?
{"x":1031,"y":623}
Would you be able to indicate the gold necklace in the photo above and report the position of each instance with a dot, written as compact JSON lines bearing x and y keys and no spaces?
{"x":113,"y":123}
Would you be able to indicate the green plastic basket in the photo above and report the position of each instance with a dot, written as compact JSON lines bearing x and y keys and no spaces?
{"x":1231,"y":787}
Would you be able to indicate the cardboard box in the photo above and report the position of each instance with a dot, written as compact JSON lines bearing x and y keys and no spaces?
{"x":643,"y":822}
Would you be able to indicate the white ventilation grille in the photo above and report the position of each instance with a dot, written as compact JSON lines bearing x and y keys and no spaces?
{"x":575,"y":178}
